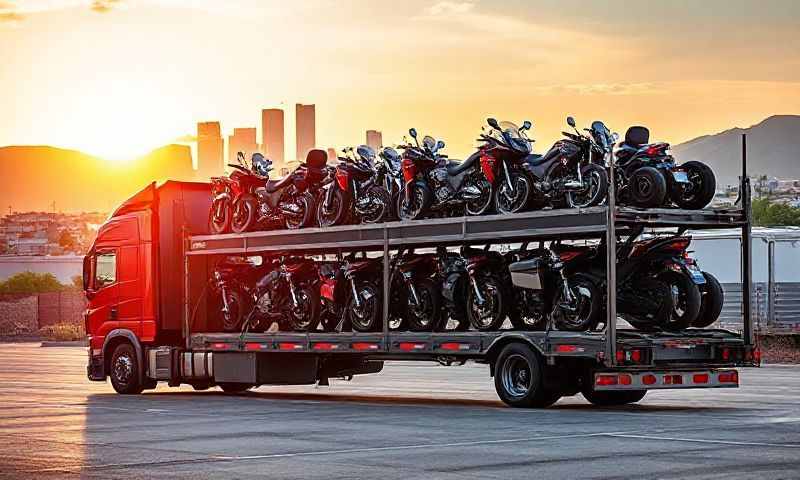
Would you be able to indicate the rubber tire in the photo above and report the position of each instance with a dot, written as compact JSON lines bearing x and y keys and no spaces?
{"x":249,"y":202}
{"x":711,"y":304}
{"x":427,"y":198}
{"x":693,"y":299}
{"x":660,"y":317}
{"x":134,"y":385}
{"x":242,"y":308}
{"x":658,"y":192}
{"x":537,"y":396}
{"x":382,"y":197}
{"x":309,"y":214}
{"x":501,"y":316}
{"x":602,"y":189}
{"x":234,"y":388}
{"x":374,"y":323}
{"x":225,"y":226}
{"x":706,"y":194}
{"x":426,"y":284}
{"x":313,"y":297}
{"x":523,"y":205}
{"x":595,"y":314}
{"x":488,"y":207}
{"x":341,"y":214}
{"x":613,"y":398}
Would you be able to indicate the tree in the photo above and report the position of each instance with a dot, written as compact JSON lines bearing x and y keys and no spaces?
{"x":31,"y":282}
{"x":66,"y":240}
{"x":769,"y":214}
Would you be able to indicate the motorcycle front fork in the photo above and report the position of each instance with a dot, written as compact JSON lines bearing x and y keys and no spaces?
{"x":478,"y":295}
{"x":225,"y":307}
{"x":292,"y":293}
{"x":356,"y":296}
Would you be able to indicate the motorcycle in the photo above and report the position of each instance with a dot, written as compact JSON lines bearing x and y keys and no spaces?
{"x":649,"y":177}
{"x":502,"y":156}
{"x":572,"y":173}
{"x":389,"y":174}
{"x":351,"y":295}
{"x":225,"y":190}
{"x":551,"y":291}
{"x":289,"y":295}
{"x":233,"y":280}
{"x":415,"y":297}
{"x":287,"y":201}
{"x":352,"y":191}
{"x":474,"y":288}
{"x":434,"y":184}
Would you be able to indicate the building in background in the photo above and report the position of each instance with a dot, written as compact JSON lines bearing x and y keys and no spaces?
{"x":210,"y":150}
{"x":243,"y":140}
{"x":374,"y":139}
{"x":333,"y":158}
{"x":305,"y":130}
{"x":272,"y":135}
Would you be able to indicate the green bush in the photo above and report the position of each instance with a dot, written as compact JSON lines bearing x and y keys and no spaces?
{"x":32,"y":282}
{"x":769,"y":214}
{"x":63,"y":332}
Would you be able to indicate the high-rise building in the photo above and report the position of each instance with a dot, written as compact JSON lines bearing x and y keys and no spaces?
{"x":374,"y":139}
{"x":272,"y":136}
{"x":305,"y":130}
{"x":210,"y":150}
{"x":243,"y":140}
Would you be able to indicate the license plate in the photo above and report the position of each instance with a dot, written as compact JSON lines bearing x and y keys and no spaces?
{"x":680,"y":177}
{"x":366,"y":294}
{"x":697,"y":277}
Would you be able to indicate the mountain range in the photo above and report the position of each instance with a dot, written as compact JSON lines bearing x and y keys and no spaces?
{"x":36,"y":176}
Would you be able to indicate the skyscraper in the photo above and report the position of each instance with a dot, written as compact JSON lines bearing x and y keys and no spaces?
{"x":374,"y":139}
{"x":272,"y":135}
{"x":243,"y":140}
{"x":306,"y":130}
{"x":210,"y":150}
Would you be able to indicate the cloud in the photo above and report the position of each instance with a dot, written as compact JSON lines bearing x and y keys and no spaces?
{"x":10,"y":16}
{"x":447,"y":7}
{"x":103,"y":6}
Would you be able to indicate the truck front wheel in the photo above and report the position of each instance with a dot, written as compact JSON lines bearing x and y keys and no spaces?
{"x":124,"y":370}
{"x":518,"y":374}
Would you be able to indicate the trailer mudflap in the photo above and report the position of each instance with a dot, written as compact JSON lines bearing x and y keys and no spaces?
{"x":259,"y":368}
{"x":666,"y":379}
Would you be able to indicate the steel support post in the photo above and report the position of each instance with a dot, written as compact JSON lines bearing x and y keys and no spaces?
{"x":747,"y":251}
{"x":385,"y":288}
{"x":611,"y":272}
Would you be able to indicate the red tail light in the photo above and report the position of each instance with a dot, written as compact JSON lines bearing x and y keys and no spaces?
{"x":678,"y":245}
{"x":343,"y":179}
{"x":655,"y":149}
{"x":728,"y":376}
{"x":605,"y":380}
{"x":649,"y":379}
{"x":567,"y":256}
{"x":700,"y":378}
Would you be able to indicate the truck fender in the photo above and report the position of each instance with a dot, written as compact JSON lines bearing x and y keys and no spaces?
{"x":128,"y":335}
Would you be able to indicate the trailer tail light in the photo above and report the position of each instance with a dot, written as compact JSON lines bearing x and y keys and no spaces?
{"x":255,"y":346}
{"x":325,"y":346}
{"x":726,"y":354}
{"x":362,"y":346}
{"x":605,"y":380}
{"x":634,"y":356}
{"x":700,"y":378}
{"x":625,"y":379}
{"x":220,"y":346}
{"x":290,"y":346}
{"x":454,"y":346}
{"x":649,"y":379}
{"x":411,"y":346}
{"x":569,"y":349}
{"x":728,"y":376}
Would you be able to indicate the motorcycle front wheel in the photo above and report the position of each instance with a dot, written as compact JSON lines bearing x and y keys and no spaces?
{"x":335,"y":213}
{"x":365,"y":318}
{"x":244,"y":214}
{"x":424,"y":315}
{"x":482,"y":204}
{"x":305,"y":316}
{"x":219,"y":216}
{"x":381,"y":205}
{"x":418,"y":206}
{"x":508,"y":200}
{"x":305,"y":217}
{"x":489,"y":312}
{"x":232,"y":318}
{"x":583,"y":313}
{"x":526,"y":313}
{"x":594,"y":189}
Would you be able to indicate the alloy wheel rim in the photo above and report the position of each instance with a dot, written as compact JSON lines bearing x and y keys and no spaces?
{"x":516,"y":375}
{"x":123,"y":369}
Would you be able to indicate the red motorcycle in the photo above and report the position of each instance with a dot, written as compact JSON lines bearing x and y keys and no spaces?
{"x":351,"y":294}
{"x":225,"y":190}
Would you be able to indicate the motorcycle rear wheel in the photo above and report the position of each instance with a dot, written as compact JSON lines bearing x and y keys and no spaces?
{"x":685,"y":300}
{"x":647,"y":187}
{"x":702,"y":190}
{"x":244,"y":214}
{"x":711,"y":304}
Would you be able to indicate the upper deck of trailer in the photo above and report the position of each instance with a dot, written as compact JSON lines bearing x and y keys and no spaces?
{"x":527,"y":226}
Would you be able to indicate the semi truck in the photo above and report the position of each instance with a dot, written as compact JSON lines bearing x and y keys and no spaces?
{"x":150,"y":317}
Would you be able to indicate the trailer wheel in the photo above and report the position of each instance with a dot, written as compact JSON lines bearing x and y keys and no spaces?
{"x":518,"y":374}
{"x":124,"y":371}
{"x":230,"y":387}
{"x":612,"y":398}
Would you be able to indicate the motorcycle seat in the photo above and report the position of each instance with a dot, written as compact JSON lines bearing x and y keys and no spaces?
{"x":636,"y":137}
{"x":455,"y":168}
{"x":535,"y":159}
{"x":273,"y":186}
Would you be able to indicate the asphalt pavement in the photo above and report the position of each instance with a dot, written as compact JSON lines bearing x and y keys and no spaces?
{"x":413,"y":420}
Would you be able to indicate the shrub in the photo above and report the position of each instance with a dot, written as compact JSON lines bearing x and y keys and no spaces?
{"x":63,"y":332}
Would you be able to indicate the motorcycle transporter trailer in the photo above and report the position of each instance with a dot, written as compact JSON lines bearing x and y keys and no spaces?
{"x":530,"y":368}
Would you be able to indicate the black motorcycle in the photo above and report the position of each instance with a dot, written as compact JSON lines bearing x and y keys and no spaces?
{"x":351,"y":294}
{"x":286,"y":202}
{"x":550,"y":290}
{"x":647,"y":175}
{"x":289,"y":295}
{"x":352,"y":191}
{"x":233,"y":282}
{"x":572,"y":173}
{"x":434,"y":184}
{"x":390,"y":175}
{"x":415,"y":297}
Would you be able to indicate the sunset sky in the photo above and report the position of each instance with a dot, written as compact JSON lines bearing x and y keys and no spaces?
{"x":119,"y":78}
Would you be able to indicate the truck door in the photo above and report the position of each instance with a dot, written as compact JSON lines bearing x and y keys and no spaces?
{"x":130,"y":290}
{"x":102,"y":312}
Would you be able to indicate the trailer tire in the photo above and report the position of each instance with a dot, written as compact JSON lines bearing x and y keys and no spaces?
{"x":518,"y":378}
{"x":124,"y":370}
{"x":613,"y":398}
{"x":231,"y":387}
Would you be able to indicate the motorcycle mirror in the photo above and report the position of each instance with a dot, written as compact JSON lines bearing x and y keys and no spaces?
{"x":493,"y":123}
{"x":412,"y":132}
{"x":571,"y":122}
{"x":439,"y":145}
{"x":615,"y":137}
{"x":526,"y":125}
